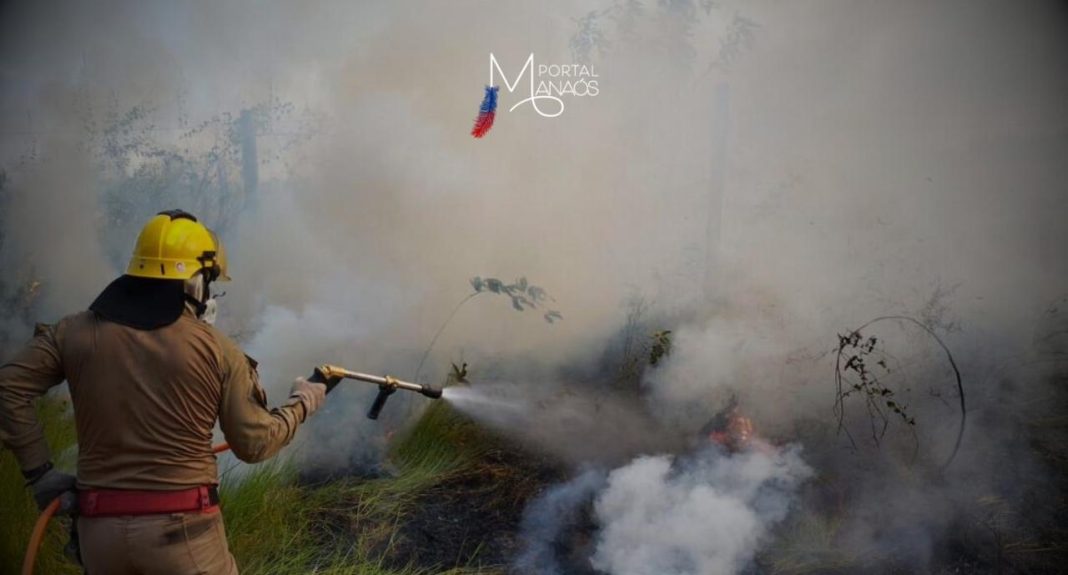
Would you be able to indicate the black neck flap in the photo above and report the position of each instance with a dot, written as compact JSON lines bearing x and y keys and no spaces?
{"x":141,"y":303}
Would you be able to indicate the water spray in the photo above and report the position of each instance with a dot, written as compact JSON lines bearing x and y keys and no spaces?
{"x":331,"y":375}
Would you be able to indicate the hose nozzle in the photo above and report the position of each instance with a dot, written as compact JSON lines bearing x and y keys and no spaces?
{"x":331,"y":375}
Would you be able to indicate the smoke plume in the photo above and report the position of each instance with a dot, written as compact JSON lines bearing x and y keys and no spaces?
{"x":700,"y":516}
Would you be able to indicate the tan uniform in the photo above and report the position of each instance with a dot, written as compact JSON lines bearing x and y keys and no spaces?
{"x":145,"y":404}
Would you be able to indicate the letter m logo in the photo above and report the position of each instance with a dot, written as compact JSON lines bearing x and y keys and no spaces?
{"x":512,"y":85}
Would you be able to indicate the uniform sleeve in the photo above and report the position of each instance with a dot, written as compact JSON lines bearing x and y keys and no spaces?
{"x":254,"y":432}
{"x":33,"y":371}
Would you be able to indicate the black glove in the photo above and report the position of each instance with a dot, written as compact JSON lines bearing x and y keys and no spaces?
{"x":51,"y":484}
{"x":319,"y":376}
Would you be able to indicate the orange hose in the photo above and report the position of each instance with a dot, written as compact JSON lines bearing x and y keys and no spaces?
{"x":37,"y":536}
{"x":46,"y":515}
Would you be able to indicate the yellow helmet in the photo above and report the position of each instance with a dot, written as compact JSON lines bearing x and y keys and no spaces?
{"x":173,"y":245}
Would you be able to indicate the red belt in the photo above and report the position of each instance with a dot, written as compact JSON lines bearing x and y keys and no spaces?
{"x":105,"y":502}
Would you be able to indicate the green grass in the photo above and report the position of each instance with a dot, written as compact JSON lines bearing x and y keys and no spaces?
{"x":348,"y":525}
{"x":18,"y":512}
{"x":276,"y":526}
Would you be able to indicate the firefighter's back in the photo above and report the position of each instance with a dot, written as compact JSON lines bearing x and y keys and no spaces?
{"x":145,"y":401}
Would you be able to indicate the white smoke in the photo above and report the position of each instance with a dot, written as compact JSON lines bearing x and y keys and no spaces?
{"x":546,"y":517}
{"x":708,"y":515}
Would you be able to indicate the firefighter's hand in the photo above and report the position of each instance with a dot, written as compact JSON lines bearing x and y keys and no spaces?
{"x":320,"y":375}
{"x":309,"y":394}
{"x":55,"y":484}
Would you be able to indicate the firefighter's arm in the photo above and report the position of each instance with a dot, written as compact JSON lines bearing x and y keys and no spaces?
{"x":254,"y":432}
{"x":33,"y":371}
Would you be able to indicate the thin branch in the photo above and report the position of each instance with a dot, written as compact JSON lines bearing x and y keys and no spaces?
{"x":852,"y":339}
{"x":441,"y":329}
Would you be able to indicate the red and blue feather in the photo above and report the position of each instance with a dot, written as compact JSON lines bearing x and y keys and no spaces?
{"x":486,"y":112}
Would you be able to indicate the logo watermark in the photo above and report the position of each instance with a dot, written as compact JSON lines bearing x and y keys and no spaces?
{"x":547,"y":86}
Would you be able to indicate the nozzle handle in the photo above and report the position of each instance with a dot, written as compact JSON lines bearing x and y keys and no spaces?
{"x":318,"y":376}
{"x":380,"y":401}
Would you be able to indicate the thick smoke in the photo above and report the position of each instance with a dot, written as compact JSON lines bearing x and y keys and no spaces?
{"x":764,"y":175}
{"x":705,"y":515}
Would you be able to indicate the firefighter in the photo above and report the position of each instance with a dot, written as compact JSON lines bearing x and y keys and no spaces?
{"x":148,"y":378}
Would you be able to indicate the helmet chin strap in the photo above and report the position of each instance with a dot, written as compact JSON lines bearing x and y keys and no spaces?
{"x":198,"y":306}
{"x":204,"y":306}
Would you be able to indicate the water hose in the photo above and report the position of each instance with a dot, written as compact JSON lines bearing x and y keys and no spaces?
{"x":37,"y":536}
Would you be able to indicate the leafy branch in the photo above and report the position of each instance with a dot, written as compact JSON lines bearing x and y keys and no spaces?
{"x":523,"y":295}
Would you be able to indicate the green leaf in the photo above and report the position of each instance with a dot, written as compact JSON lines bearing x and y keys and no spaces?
{"x":536,"y":293}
